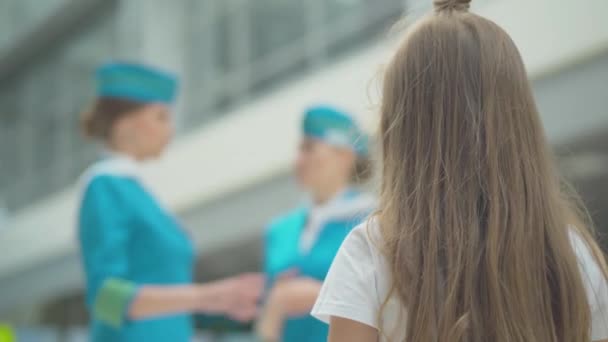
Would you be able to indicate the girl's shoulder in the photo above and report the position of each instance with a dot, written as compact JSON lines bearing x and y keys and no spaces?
{"x":365,"y":243}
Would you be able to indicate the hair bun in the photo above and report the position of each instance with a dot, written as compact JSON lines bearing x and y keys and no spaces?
{"x":451,"y":5}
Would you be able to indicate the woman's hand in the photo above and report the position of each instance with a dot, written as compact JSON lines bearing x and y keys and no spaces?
{"x":270,"y":322}
{"x":236,"y":297}
{"x":290,"y":297}
{"x":296,"y":296}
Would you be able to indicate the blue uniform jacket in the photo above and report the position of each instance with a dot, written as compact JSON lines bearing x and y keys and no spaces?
{"x":127,"y":240}
{"x":283,"y":253}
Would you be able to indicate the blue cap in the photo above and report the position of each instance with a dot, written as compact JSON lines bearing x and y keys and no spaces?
{"x":336,"y":128}
{"x":136,"y":82}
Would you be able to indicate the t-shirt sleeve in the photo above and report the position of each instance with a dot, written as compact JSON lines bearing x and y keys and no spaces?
{"x":596,"y":286}
{"x":350,"y":288}
{"x":597,"y":289}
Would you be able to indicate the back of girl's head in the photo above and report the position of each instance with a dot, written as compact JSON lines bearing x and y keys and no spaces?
{"x":475,"y":224}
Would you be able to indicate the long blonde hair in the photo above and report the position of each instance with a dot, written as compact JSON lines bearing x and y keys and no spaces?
{"x":475,"y":222}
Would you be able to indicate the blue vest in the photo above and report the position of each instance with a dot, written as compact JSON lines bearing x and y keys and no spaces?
{"x":283,"y":253}
{"x":124,"y":233}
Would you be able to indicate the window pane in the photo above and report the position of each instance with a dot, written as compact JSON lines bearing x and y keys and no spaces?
{"x":351,"y":22}
{"x":276,"y":24}
{"x":339,"y":9}
{"x":46,"y":99}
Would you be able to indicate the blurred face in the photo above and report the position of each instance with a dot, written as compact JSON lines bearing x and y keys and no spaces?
{"x":320,"y":165}
{"x":147,"y":131}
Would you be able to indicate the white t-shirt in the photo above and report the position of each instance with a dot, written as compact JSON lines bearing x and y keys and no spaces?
{"x":359,"y":280}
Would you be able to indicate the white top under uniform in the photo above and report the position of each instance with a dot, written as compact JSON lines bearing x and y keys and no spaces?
{"x":346,"y":204}
{"x":359,"y":280}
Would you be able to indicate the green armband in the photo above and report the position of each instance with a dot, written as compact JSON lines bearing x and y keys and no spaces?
{"x":113,"y":300}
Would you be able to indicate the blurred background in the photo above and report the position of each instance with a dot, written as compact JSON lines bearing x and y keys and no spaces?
{"x":248,"y":69}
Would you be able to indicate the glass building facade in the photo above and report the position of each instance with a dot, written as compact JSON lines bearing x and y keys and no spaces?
{"x":234,"y":50}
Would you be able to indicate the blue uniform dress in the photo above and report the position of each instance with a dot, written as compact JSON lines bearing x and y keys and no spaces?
{"x":284,"y":251}
{"x":128,"y":240}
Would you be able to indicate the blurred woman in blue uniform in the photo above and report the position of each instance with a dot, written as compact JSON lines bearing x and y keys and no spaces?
{"x":300,"y":246}
{"x":138,"y":261}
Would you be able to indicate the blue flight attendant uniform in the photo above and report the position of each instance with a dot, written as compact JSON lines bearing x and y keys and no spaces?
{"x":127,"y":239}
{"x":283,"y":253}
{"x":283,"y":240}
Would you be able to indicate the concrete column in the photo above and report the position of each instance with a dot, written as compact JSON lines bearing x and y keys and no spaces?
{"x":316,"y":35}
{"x":153,"y":32}
{"x":200,"y":74}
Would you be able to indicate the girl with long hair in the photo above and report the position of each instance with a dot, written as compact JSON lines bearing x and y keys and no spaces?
{"x":476,"y":239}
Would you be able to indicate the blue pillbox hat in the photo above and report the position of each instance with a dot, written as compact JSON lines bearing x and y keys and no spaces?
{"x":335,"y":128}
{"x":136,"y":82}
